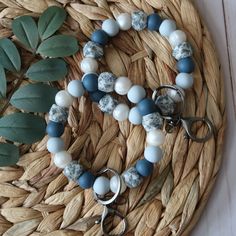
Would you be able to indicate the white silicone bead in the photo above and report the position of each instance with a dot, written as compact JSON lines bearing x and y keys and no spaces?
{"x":177,"y":37}
{"x":155,"y":137}
{"x":101,"y":185}
{"x":136,"y":93}
{"x":121,"y":112}
{"x":62,"y":159}
{"x":75,"y":88}
{"x":63,"y":99}
{"x":122,"y":85}
{"x":176,"y":95}
{"x":167,"y":27}
{"x":111,"y":27}
{"x":114,"y":184}
{"x":184,"y":80}
{"x":55,"y":145}
{"x":89,"y":65}
{"x":124,"y":21}
{"x":135,"y":117}
{"x":153,"y":154}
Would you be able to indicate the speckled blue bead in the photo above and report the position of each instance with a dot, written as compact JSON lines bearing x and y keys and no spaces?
{"x":55,"y":129}
{"x":146,"y":106}
{"x":97,"y":95}
{"x":100,"y":37}
{"x":90,"y":82}
{"x":144,"y":167}
{"x":186,"y":65}
{"x":86,"y":180}
{"x":153,"y":22}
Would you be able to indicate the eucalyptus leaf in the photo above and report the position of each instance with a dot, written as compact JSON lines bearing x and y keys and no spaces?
{"x":25,"y":29}
{"x":58,"y":46}
{"x":22,"y":128}
{"x":9,"y":55}
{"x":50,"y":69}
{"x":34,"y":97}
{"x":3,"y":82}
{"x":50,"y":21}
{"x":9,"y":154}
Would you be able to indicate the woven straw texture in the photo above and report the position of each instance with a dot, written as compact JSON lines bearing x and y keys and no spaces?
{"x":36,"y":198}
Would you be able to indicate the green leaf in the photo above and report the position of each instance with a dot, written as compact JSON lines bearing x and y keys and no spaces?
{"x":9,"y":154}
{"x":34,"y":97}
{"x":47,"y":70}
{"x":58,"y":46}
{"x":50,"y":21}
{"x":3,"y":82}
{"x":22,"y":128}
{"x":25,"y":29}
{"x":9,"y":55}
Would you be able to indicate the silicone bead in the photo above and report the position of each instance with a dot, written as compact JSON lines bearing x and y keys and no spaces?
{"x":184,"y":80}
{"x":152,"y":121}
{"x":106,"y":82}
{"x":144,"y":167}
{"x":183,"y":50}
{"x":107,"y":104}
{"x":63,"y":99}
{"x":93,"y":50}
{"x":89,"y":65}
{"x":146,"y":106}
{"x":136,"y":93}
{"x":86,"y":180}
{"x":101,"y":185}
{"x":111,"y":27}
{"x":134,"y":116}
{"x":122,"y":85}
{"x":153,"y":154}
{"x":90,"y":82}
{"x":167,"y":27}
{"x":154,"y":22}
{"x":114,"y":184}
{"x":100,"y":37}
{"x":73,"y":170}
{"x":121,"y":112}
{"x":139,"y":20}
{"x":58,"y":114}
{"x":75,"y":88}
{"x":132,"y":178}
{"x":62,"y":159}
{"x":186,"y":65}
{"x":124,"y":21}
{"x":55,"y":145}
{"x":155,"y":137}
{"x":55,"y":129}
{"x":96,"y":96}
{"x":177,"y":37}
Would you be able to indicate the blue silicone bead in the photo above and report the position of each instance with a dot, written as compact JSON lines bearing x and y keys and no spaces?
{"x":90,"y":82}
{"x":100,"y":37}
{"x":146,"y":106}
{"x":186,"y":65}
{"x":55,"y":129}
{"x":153,"y":22}
{"x":97,"y":95}
{"x":86,"y":180}
{"x":144,"y":167}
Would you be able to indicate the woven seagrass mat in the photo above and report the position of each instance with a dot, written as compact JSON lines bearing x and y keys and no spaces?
{"x":35,"y":197}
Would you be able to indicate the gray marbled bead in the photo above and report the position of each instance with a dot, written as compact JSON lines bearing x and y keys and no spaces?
{"x":106,"y":82}
{"x":58,"y":114}
{"x":107,"y":104}
{"x":152,"y":121}
{"x":93,"y":50}
{"x":183,"y":50}
{"x":139,"y":20}
{"x":73,"y":170}
{"x":166,"y":104}
{"x":132,"y":178}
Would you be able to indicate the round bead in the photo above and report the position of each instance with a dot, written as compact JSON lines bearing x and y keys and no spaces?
{"x":58,"y":114}
{"x":93,"y":50}
{"x":63,"y":99}
{"x":124,"y":21}
{"x":96,"y":96}
{"x":75,"y":88}
{"x":62,"y":159}
{"x":153,"y":154}
{"x":175,"y":95}
{"x":135,"y":116}
{"x":177,"y":37}
{"x":121,"y":112}
{"x":152,"y":121}
{"x":154,"y":22}
{"x":139,"y":20}
{"x":184,"y":80}
{"x":101,"y":185}
{"x":106,"y":82}
{"x":107,"y":104}
{"x":122,"y":85}
{"x":89,"y":65}
{"x":136,"y":93}
{"x":55,"y":129}
{"x":55,"y":145}
{"x":167,"y":27}
{"x":73,"y":170}
{"x":100,"y":37}
{"x":144,"y":167}
{"x":111,"y":27}
{"x":132,"y":178}
{"x":90,"y":82}
{"x":186,"y":65}
{"x":183,"y":50}
{"x":155,"y":137}
{"x":114,"y":184}
{"x":146,"y":106}
{"x":86,"y":180}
